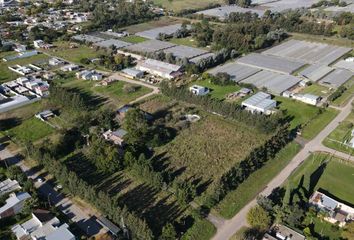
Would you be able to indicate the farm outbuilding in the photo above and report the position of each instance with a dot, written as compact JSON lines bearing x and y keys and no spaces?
{"x":154,"y":33}
{"x":316,"y":72}
{"x":272,"y":63}
{"x":260,"y":103}
{"x":337,"y":78}
{"x":236,"y":71}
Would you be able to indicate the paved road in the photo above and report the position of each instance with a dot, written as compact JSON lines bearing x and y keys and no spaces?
{"x":230,"y":227}
{"x":81,"y":217}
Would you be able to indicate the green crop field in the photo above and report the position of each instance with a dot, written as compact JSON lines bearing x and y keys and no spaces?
{"x":217,"y":91}
{"x":178,"y":5}
{"x":237,"y":199}
{"x":340,"y":135}
{"x":311,"y":118}
{"x":188,"y":41}
{"x":8,"y":75}
{"x":209,"y":147}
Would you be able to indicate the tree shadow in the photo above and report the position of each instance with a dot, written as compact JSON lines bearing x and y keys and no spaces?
{"x":9,"y":123}
{"x":315,"y":177}
{"x":90,"y":100}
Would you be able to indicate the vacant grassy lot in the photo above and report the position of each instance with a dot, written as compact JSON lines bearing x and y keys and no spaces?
{"x":317,"y":89}
{"x":328,"y":40}
{"x":341,"y":135}
{"x":178,"y":5}
{"x":30,"y":130}
{"x":336,"y":178}
{"x":163,"y":21}
{"x":188,"y":41}
{"x":113,"y":93}
{"x":63,"y":50}
{"x":217,"y":91}
{"x":133,"y":39}
{"x":237,"y":199}
{"x":311,"y":118}
{"x":8,"y":75}
{"x":208,"y":148}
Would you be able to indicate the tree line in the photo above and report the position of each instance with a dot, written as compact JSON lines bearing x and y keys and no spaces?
{"x":263,"y":123}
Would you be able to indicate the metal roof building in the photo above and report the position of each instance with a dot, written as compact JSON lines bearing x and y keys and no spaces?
{"x":149,"y":46}
{"x":337,"y":78}
{"x":272,"y":63}
{"x":316,"y":72}
{"x":345,"y":65}
{"x":108,"y":43}
{"x":259,"y":103}
{"x":181,"y":51}
{"x":154,"y":33}
{"x":236,"y":71}
{"x":162,"y":69}
{"x":201,"y":57}
{"x":224,"y":11}
{"x":276,"y":83}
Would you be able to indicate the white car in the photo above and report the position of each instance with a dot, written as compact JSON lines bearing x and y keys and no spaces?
{"x":40,"y":180}
{"x":58,"y":187}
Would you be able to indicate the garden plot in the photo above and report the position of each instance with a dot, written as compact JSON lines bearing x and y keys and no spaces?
{"x":308,"y":52}
{"x":150,"y":46}
{"x":185,"y":52}
{"x":274,"y":82}
{"x":236,"y":71}
{"x":316,"y":72}
{"x":154,"y":33}
{"x":272,"y":63}
{"x":337,"y":78}
{"x":112,"y":42}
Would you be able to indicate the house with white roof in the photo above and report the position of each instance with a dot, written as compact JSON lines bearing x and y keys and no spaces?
{"x":260,"y":102}
{"x":14,"y":204}
{"x":117,"y":137}
{"x":307,"y":98}
{"x":199,"y":90}
{"x":44,"y":226}
{"x":8,"y":185}
{"x":158,"y":68}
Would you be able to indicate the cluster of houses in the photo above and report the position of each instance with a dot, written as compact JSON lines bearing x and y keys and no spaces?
{"x":335,"y":212}
{"x":22,"y":91}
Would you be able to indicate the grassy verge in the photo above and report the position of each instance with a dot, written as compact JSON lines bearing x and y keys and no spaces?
{"x":317,"y":89}
{"x":256,"y":182}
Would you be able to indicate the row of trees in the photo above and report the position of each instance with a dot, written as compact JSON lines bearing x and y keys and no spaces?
{"x":263,"y":123}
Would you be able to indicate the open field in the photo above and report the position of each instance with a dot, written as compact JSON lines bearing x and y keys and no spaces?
{"x":317,"y":89}
{"x":311,"y":118}
{"x":133,"y":39}
{"x":217,"y":91}
{"x":64,"y":51}
{"x":114,"y":93}
{"x":209,"y":148}
{"x":8,"y":75}
{"x":163,"y":21}
{"x":237,"y":199}
{"x":178,"y":5}
{"x":30,"y":130}
{"x":336,"y":179}
{"x":340,"y":135}
{"x":188,"y":41}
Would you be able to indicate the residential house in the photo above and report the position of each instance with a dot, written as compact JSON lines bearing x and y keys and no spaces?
{"x":45,"y":115}
{"x":14,"y":204}
{"x":281,"y":232}
{"x":8,"y":186}
{"x":20,"y":48}
{"x":117,"y":137}
{"x":44,"y":226}
{"x":89,"y":75}
{"x":42,"y":44}
{"x":55,"y":62}
{"x":199,"y":90}
{"x":158,"y":68}
{"x":337,"y":212}
{"x":70,"y":68}
{"x":260,"y":103}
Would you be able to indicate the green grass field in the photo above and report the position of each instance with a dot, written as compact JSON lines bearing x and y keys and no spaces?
{"x":133,"y":39}
{"x":63,"y":50}
{"x":340,"y":135}
{"x":237,"y":199}
{"x":188,"y":41}
{"x":217,"y":91}
{"x":317,"y":89}
{"x":209,"y":148}
{"x":30,"y":130}
{"x":307,"y":116}
{"x":178,"y":5}
{"x":8,"y":75}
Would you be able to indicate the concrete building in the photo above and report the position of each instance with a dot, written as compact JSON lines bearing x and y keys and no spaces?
{"x":260,"y":103}
{"x":158,"y":68}
{"x":14,"y":204}
{"x":199,"y":90}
